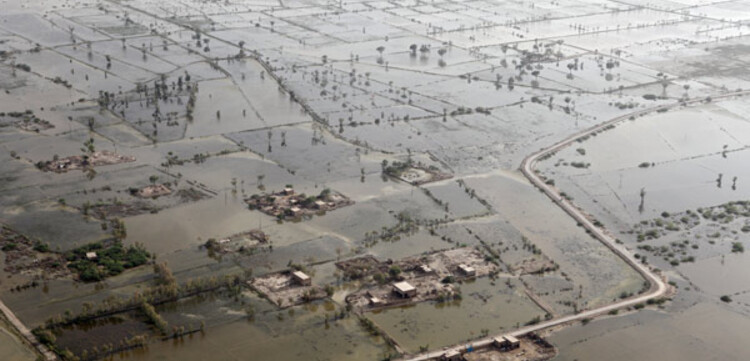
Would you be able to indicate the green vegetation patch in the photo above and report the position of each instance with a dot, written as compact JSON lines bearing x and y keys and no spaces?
{"x":97,"y":261}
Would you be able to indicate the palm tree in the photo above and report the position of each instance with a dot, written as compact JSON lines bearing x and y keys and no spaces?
{"x":643,"y":197}
{"x":664,"y":85}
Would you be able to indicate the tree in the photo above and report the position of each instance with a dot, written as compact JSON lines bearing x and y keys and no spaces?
{"x":394,"y":271}
{"x":441,"y":61}
{"x":413,"y":48}
{"x":380,"y":50}
{"x":153,"y":179}
{"x":89,"y":146}
{"x":164,"y":273}
{"x":643,"y":198}
{"x":260,"y":181}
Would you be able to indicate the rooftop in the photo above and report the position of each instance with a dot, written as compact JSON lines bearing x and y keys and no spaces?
{"x":510,"y":339}
{"x":404,"y":286}
{"x":300,"y":275}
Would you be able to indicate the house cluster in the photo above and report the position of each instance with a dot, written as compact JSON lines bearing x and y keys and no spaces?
{"x":287,"y":288}
{"x":95,"y":159}
{"x":288,"y":203}
{"x":503,"y":343}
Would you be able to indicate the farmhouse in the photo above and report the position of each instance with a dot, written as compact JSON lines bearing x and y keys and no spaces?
{"x":404,"y":289}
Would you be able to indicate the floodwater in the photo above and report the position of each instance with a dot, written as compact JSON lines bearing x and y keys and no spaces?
{"x":321,"y":95}
{"x":269,"y":336}
{"x":600,"y":274}
{"x":485,"y":306}
{"x":191,"y":225}
{"x":686,"y":149}
{"x":705,"y":331}
{"x":12,"y":349}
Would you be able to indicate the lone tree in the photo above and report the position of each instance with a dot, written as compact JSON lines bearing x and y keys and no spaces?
{"x":664,"y":85}
{"x":441,"y":61}
{"x":413,"y":48}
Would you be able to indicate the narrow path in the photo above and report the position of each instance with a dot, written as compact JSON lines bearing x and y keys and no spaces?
{"x":657,"y":286}
{"x":540,"y":303}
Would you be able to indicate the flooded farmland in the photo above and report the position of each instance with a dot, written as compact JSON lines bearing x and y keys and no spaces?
{"x":373,"y":180}
{"x":13,"y":348}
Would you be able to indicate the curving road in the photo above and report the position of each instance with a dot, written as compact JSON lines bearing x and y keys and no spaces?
{"x":657,"y":286}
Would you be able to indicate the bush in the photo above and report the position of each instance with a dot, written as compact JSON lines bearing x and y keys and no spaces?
{"x":394,"y":271}
{"x":41,"y":247}
{"x":379,"y":278}
{"x":24,"y":67}
{"x":726,"y":299}
{"x":533,"y":321}
{"x":89,"y":272}
{"x":45,"y":336}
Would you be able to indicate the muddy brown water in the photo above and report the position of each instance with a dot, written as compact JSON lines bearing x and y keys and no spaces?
{"x":12,"y":348}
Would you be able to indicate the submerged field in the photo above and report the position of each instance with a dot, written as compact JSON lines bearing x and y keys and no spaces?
{"x":158,"y":157}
